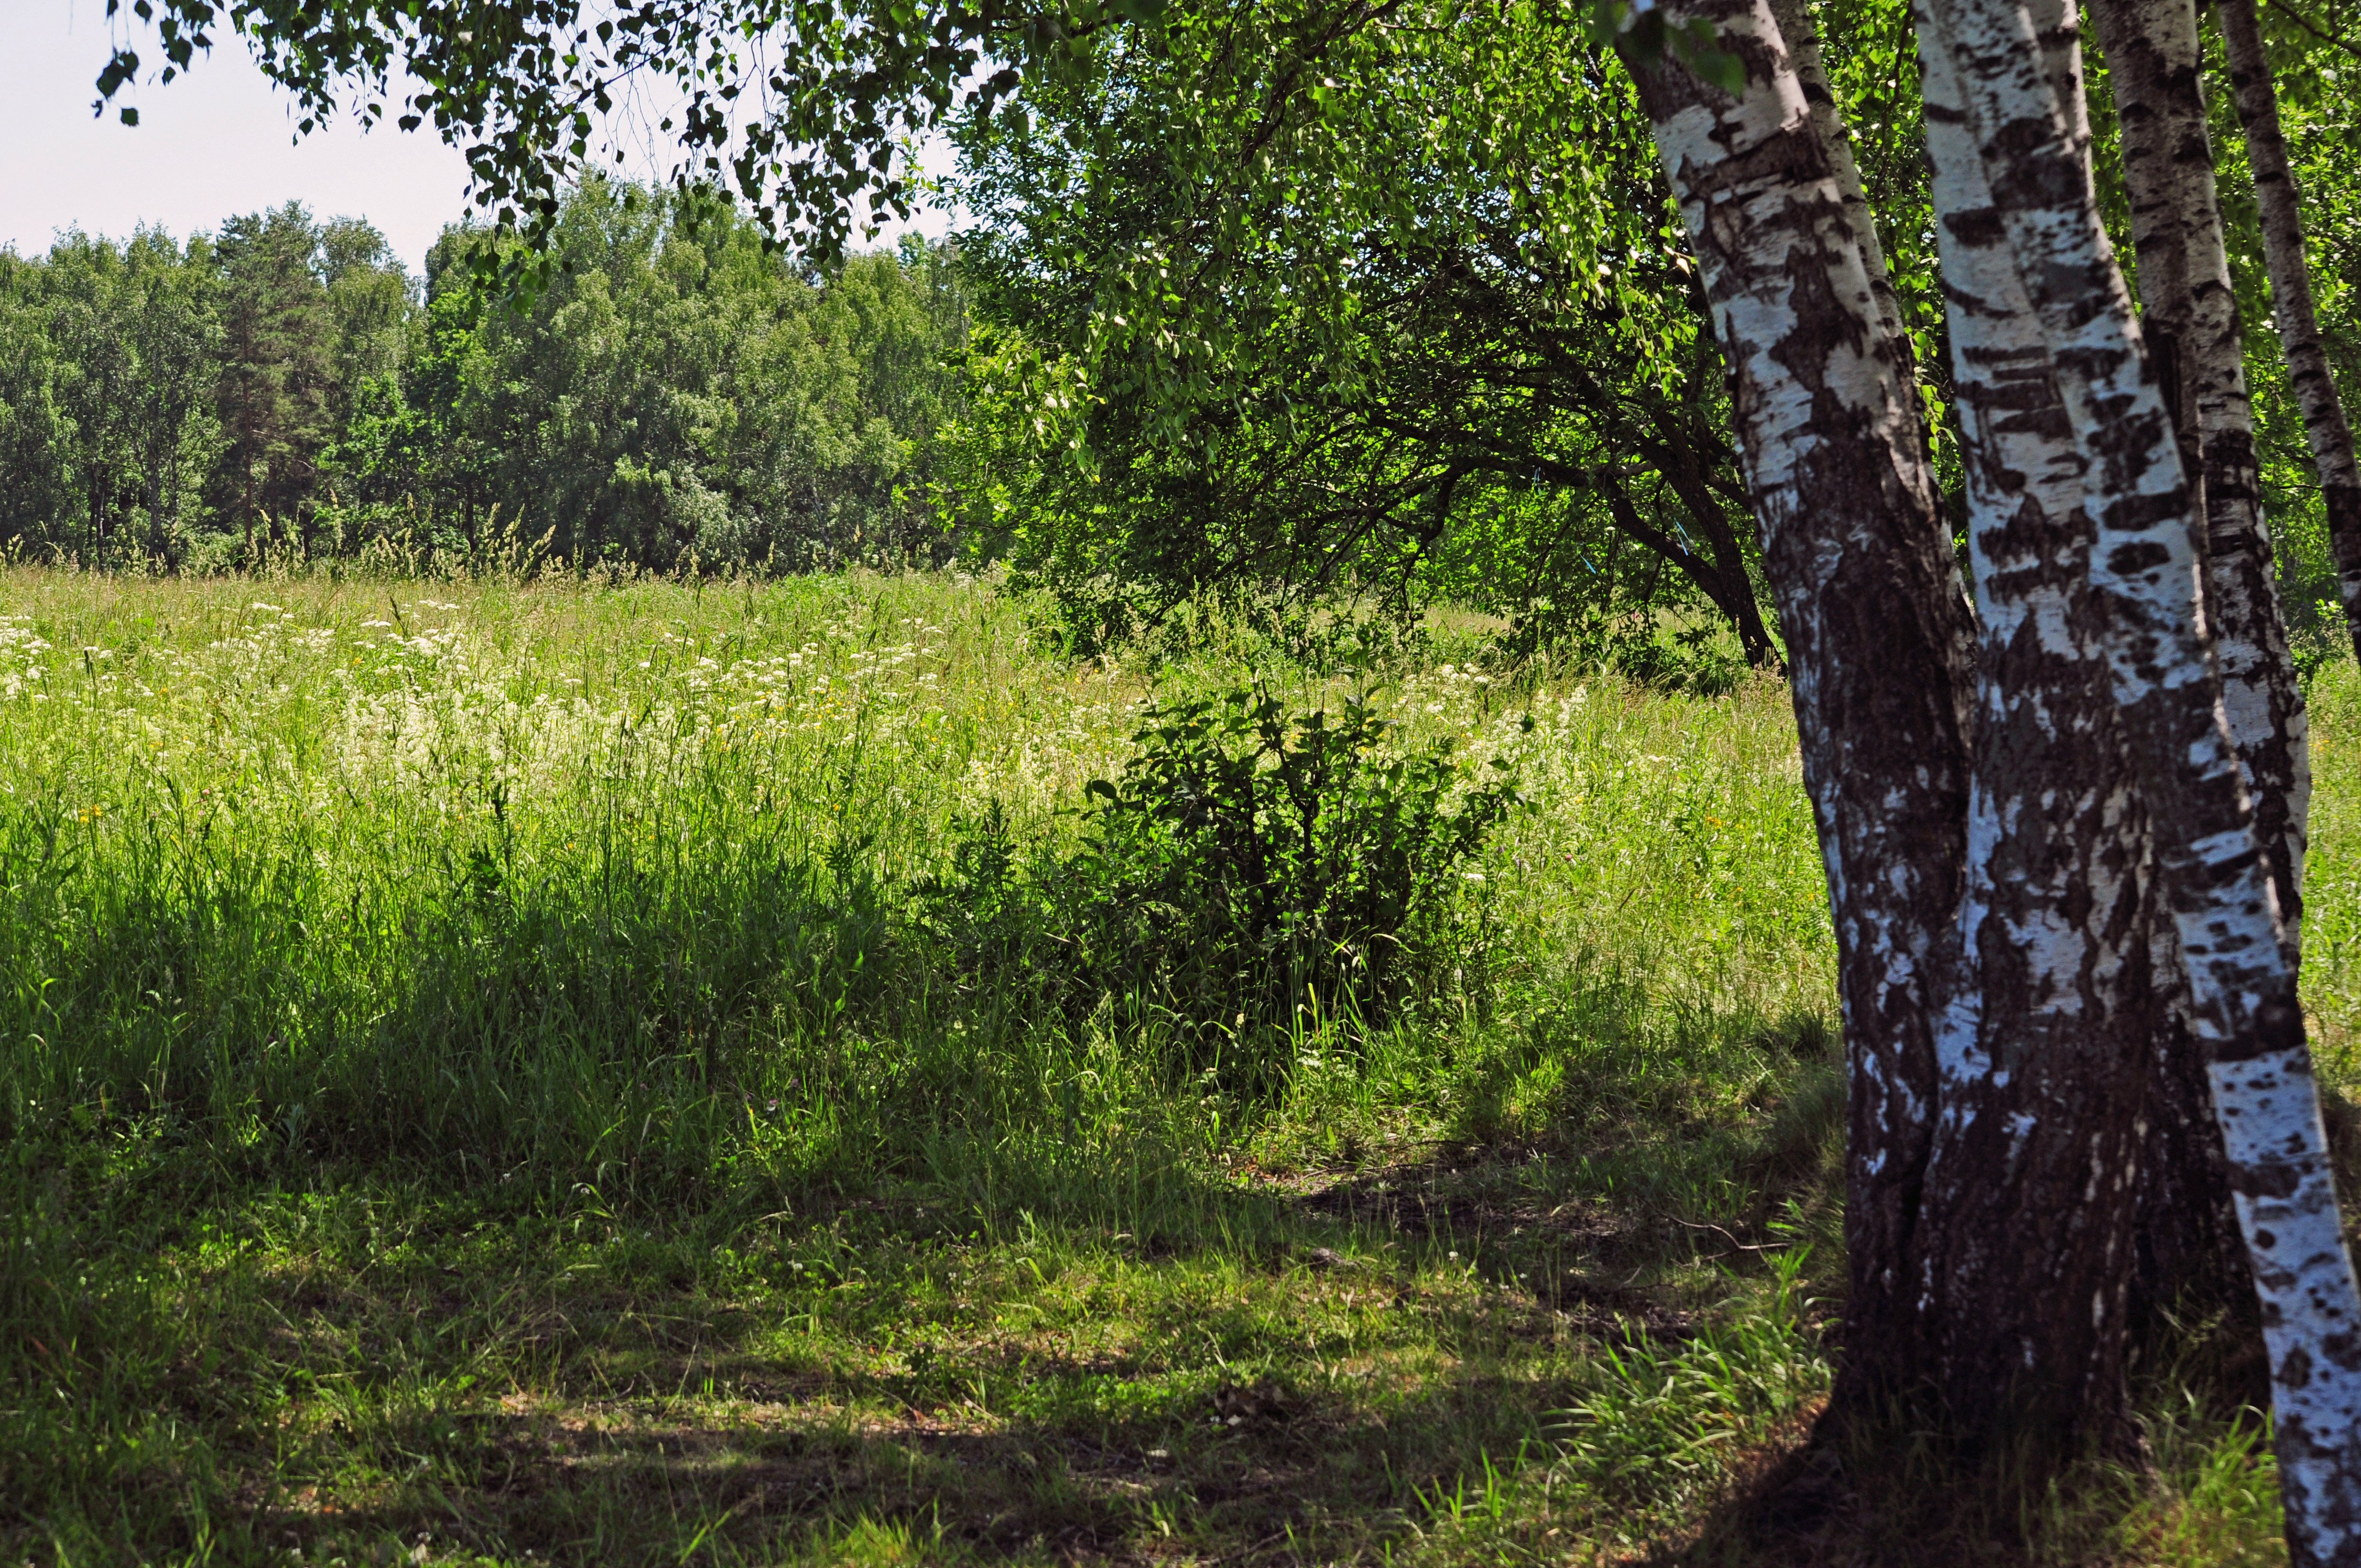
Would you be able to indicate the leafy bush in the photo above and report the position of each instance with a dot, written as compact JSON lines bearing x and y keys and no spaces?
{"x":1250,"y":867}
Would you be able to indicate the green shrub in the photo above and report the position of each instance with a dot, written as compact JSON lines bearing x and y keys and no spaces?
{"x":1251,"y":868}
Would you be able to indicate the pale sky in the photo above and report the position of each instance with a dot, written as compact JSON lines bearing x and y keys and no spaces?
{"x":209,"y":144}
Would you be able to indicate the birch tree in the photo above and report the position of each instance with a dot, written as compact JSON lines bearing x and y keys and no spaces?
{"x":2187,"y":1245}
{"x":2042,"y":1056}
{"x":2208,"y":859}
{"x":2114,"y":580}
{"x":2326,"y":429}
{"x":2026,"y":962}
{"x":2189,"y":321}
{"x":1875,"y":615}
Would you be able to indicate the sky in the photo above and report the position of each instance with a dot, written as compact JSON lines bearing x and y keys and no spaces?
{"x":209,"y":144}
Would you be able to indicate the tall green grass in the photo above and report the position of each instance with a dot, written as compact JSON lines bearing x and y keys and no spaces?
{"x":469,"y":1065}
{"x":552,"y":880}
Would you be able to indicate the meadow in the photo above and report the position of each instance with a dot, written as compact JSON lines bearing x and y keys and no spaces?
{"x":477,"y":1087}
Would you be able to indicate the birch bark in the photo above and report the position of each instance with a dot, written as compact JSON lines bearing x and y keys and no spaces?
{"x":2188,"y":1241}
{"x":2189,"y":320}
{"x":1801,"y":35}
{"x":2325,"y":425}
{"x":2027,"y":1229}
{"x":2210,"y":862}
{"x":1870,"y":601}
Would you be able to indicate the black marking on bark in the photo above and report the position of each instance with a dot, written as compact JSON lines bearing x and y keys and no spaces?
{"x":2264,"y":1182}
{"x":1981,"y":228}
{"x":2130,"y":559}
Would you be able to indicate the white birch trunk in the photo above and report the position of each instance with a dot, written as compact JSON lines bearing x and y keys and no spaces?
{"x":2146,"y":568}
{"x":2325,"y":427}
{"x":2042,"y":1058}
{"x":1870,"y":601}
{"x":2190,"y":319}
{"x":1802,"y":38}
{"x":2190,"y":1248}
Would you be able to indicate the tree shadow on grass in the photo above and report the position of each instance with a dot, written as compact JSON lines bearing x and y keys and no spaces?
{"x":418,"y":1351}
{"x":1292,"y":1384}
{"x":1292,"y":1474}
{"x":2194,"y":1487}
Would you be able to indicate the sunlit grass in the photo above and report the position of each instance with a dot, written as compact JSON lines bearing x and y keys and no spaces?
{"x":470,"y":1093}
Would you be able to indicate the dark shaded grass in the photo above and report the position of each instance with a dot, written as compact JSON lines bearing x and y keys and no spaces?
{"x":238,"y":1324}
{"x":235,"y":1347}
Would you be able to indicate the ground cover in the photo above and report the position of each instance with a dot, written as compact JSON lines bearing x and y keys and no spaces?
{"x":474,"y":1091}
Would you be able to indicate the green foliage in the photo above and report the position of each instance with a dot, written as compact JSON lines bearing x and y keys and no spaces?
{"x":1251,"y":871}
{"x":277,"y":374}
{"x":107,"y":416}
{"x":1206,"y":187}
{"x":1431,"y":337}
{"x":1283,"y":864}
{"x":2315,"y":71}
{"x":799,"y":107}
{"x":677,"y":393}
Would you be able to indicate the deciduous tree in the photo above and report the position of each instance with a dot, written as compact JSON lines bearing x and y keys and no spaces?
{"x":2325,"y":426}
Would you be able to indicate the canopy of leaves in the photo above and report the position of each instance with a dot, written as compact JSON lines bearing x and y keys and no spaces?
{"x":796,"y":105}
{"x":1431,"y":335}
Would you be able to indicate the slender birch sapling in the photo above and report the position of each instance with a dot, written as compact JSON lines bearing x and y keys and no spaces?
{"x":2325,"y":426}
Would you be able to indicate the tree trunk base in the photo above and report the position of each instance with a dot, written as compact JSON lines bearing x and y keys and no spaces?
{"x":1881,"y":1488}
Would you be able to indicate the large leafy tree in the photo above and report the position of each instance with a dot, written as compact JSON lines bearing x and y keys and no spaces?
{"x":1506,"y":397}
{"x":369,"y":299}
{"x":1455,"y":346}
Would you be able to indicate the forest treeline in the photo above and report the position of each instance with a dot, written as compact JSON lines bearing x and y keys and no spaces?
{"x":673,"y":392}
{"x":1451,"y":345}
